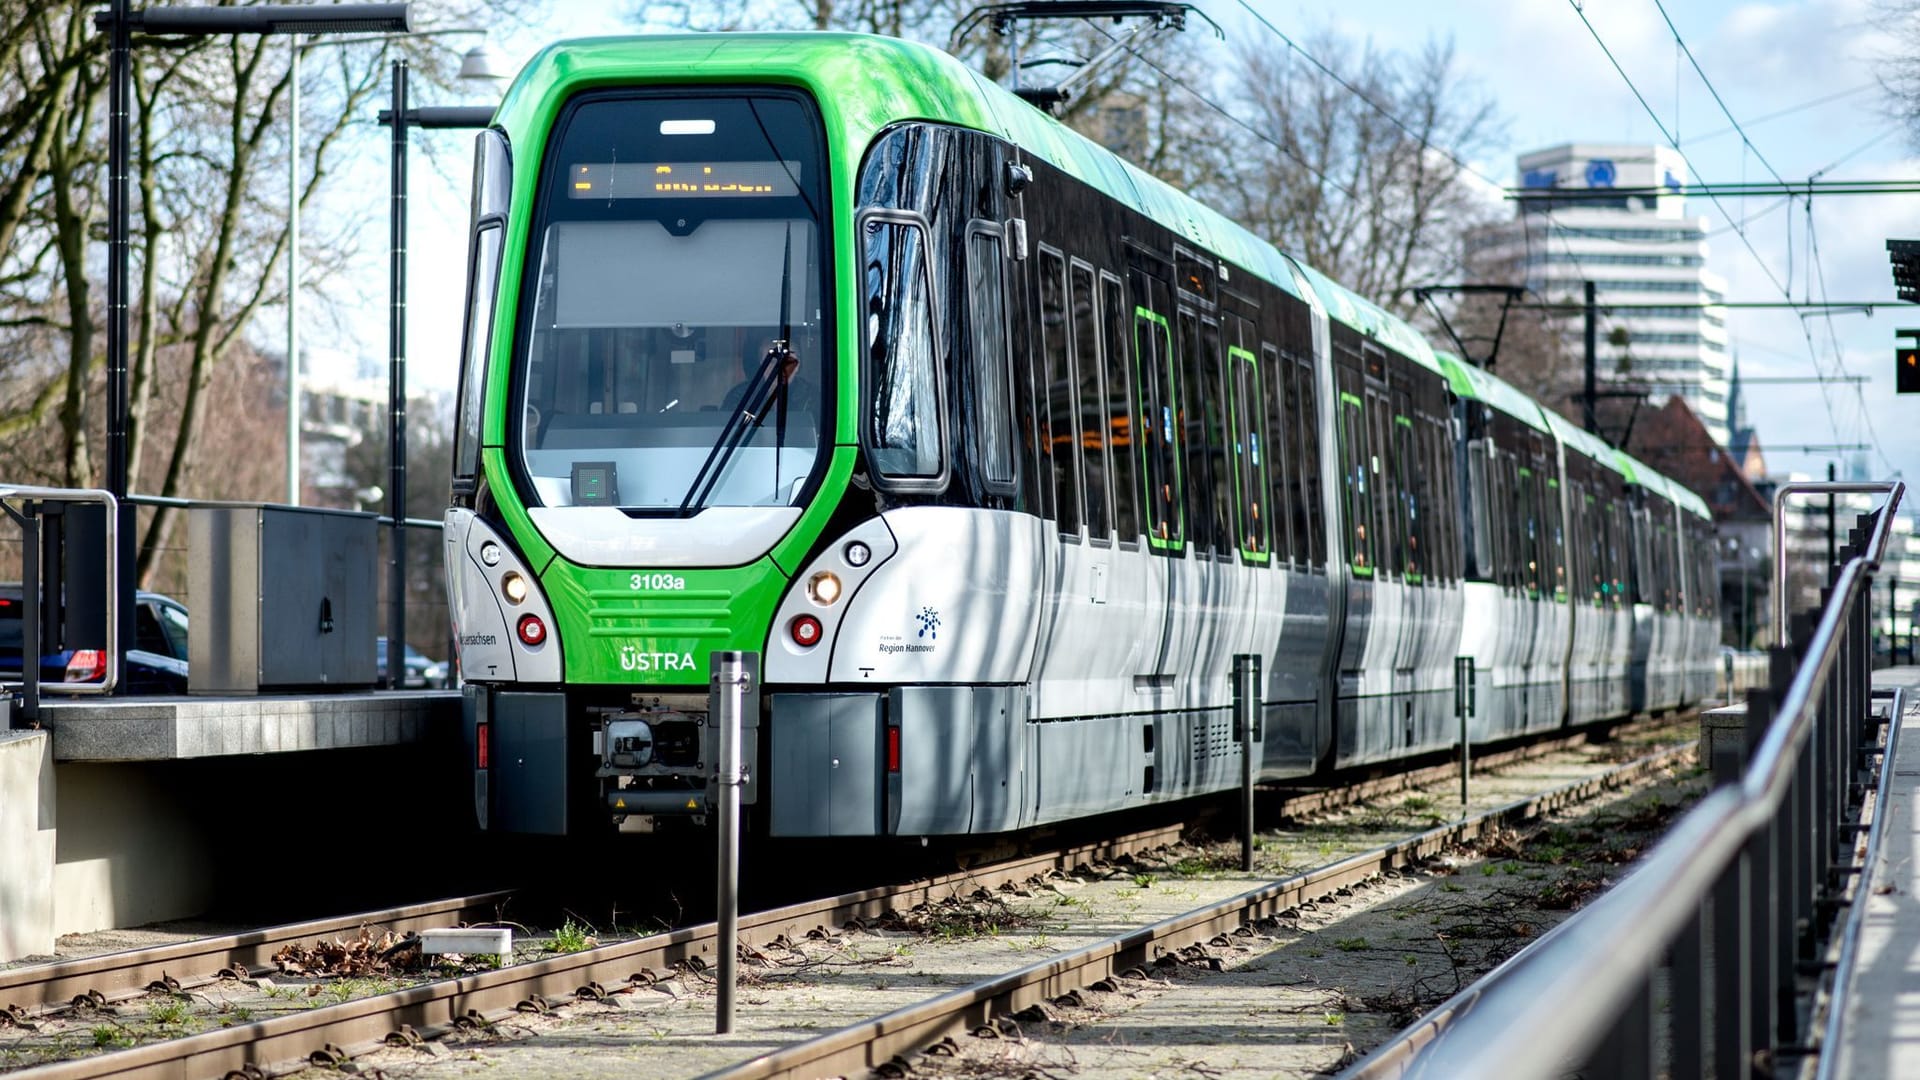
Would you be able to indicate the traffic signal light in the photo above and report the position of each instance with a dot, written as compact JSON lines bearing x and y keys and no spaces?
{"x":1905,"y":257}
{"x":1907,"y":370}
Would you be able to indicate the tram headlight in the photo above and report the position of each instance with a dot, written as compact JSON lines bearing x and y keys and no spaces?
{"x":513,"y":587}
{"x":857,"y":553}
{"x":824,"y":587}
{"x":490,"y":553}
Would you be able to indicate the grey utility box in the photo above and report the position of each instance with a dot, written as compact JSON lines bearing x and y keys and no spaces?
{"x":283,"y":598}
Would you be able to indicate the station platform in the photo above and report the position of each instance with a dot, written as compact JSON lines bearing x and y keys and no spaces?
{"x":177,"y":728}
{"x":1880,"y":1027}
{"x":119,"y":812}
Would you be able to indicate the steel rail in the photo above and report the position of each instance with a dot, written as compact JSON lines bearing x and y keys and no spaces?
{"x":871,"y":1044}
{"x":131,"y":971}
{"x":1307,"y":802}
{"x":1575,"y":980}
{"x":437,"y":1007}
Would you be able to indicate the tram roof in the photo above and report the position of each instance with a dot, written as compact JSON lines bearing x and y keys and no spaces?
{"x":863,"y":83}
{"x":1480,"y":385}
{"x":1345,"y":305}
{"x":1579,"y":438}
{"x":1679,"y":494}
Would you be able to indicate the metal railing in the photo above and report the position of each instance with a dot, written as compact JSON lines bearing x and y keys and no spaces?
{"x":28,"y":516}
{"x":1808,"y":487}
{"x":1735,"y":905}
{"x":29,"y":519}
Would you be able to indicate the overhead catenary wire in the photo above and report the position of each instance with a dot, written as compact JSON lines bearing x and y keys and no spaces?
{"x":1406,"y":230}
{"x":1814,"y":267}
{"x":1404,"y":127}
{"x":1674,"y":143}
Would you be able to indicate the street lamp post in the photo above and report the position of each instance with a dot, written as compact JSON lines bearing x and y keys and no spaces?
{"x":476,"y":65}
{"x":118,"y":22}
{"x":293,"y":274}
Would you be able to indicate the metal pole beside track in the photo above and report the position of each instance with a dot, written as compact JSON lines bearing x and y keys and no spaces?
{"x":1246,"y":705}
{"x":1462,"y":709}
{"x":397,"y":385}
{"x":731,"y":677}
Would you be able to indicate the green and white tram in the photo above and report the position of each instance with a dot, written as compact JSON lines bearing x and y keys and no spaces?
{"x":994,"y":447}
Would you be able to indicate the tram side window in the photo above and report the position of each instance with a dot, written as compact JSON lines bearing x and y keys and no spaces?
{"x":1153,"y":348}
{"x":1642,"y":571}
{"x":482,"y":277}
{"x":1059,"y":432}
{"x":1480,"y":520}
{"x":1219,"y":443}
{"x":1619,"y":559}
{"x":1442,"y":521}
{"x":1515,"y":505}
{"x":1191,"y":421}
{"x":1249,"y":447}
{"x":1379,"y":466}
{"x":1556,"y":537}
{"x":904,"y":437}
{"x":1406,"y":505}
{"x":1352,"y":430}
{"x":1119,"y":412}
{"x":992,"y":407}
{"x":1090,"y":421}
{"x":1283,"y":503}
{"x":1309,"y":507}
{"x":1592,"y":529}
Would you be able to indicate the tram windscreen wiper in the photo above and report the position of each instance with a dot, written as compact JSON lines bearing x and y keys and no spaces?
{"x":768,"y":387}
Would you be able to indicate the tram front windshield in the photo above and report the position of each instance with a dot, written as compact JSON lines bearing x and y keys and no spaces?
{"x":677,"y":241}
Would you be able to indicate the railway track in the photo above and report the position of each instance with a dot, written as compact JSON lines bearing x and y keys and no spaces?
{"x":1300,"y":803}
{"x":320,"y":1034}
{"x":873,"y":1043}
{"x":25,"y":991}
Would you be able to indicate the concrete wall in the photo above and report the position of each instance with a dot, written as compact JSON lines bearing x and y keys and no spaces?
{"x":258,"y":838}
{"x":26,"y":842}
{"x":132,"y":848}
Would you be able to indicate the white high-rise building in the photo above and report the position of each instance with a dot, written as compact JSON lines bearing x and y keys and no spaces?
{"x":1638,"y":248}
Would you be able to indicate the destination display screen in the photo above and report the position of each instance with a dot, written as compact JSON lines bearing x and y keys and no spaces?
{"x":683,"y":180}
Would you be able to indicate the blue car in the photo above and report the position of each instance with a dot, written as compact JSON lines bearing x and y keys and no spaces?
{"x":156,"y":662}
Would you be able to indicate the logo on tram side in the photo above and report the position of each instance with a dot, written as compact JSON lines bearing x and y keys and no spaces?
{"x":929,"y":629}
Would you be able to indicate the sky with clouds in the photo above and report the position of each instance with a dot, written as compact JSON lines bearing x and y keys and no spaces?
{"x":1553,"y":83}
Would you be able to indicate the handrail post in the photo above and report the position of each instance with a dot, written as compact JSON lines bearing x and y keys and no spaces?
{"x":1762,"y":914}
{"x":1627,"y":1050}
{"x":30,"y":617}
{"x":1687,"y":965}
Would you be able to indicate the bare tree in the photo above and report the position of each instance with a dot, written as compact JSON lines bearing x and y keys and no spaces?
{"x":1132,"y":103}
{"x":209,"y":233}
{"x":1359,"y":172}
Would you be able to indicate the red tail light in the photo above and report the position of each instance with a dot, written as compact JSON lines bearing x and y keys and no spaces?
{"x":479,"y":746}
{"x":532,"y":630}
{"x":86,"y":665}
{"x":805,"y":631}
{"x":893,"y":749}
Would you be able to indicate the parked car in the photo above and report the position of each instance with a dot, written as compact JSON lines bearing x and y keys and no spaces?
{"x":156,"y":660}
{"x":419,"y":672}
